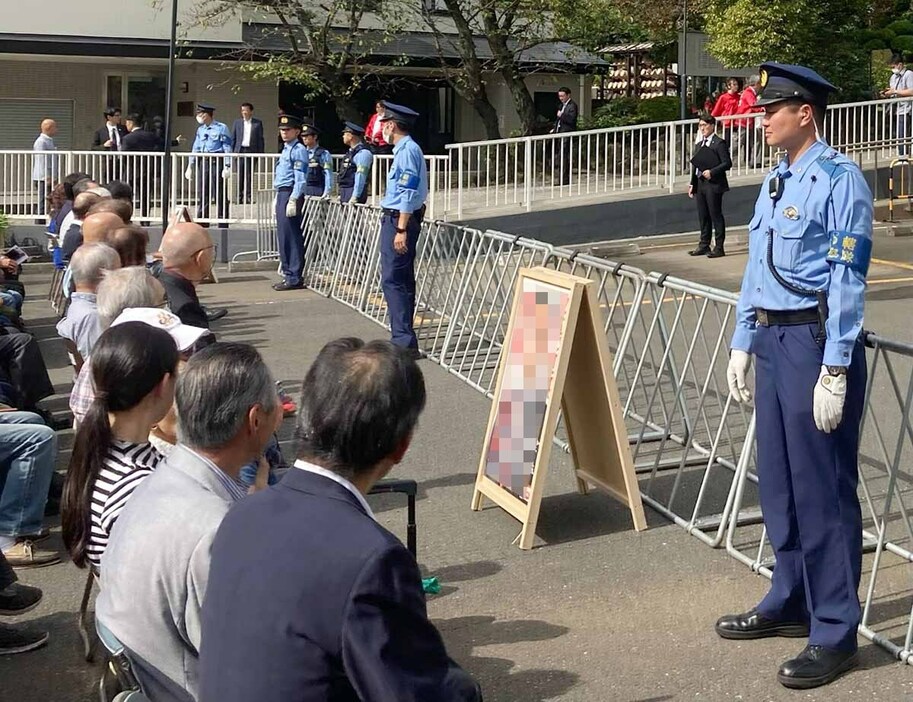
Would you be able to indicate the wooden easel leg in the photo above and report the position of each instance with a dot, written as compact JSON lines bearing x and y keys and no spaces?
{"x":476,"y":500}
{"x":582,"y":486}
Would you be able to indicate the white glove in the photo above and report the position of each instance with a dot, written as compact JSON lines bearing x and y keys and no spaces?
{"x":739,"y":363}
{"x":188,"y":174}
{"x":291,"y":209}
{"x":830,"y":394}
{"x":226,"y":172}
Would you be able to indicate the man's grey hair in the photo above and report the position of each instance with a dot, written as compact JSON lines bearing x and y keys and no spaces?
{"x":216,"y":390}
{"x":754,"y":79}
{"x":90,"y":261}
{"x":133,"y":286}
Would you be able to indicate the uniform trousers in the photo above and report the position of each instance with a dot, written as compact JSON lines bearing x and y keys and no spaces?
{"x":345,"y":194}
{"x":211,"y":186}
{"x":291,"y":242}
{"x":807,"y":481}
{"x":398,"y":277}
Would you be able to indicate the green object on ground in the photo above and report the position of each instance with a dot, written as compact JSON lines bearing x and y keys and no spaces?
{"x":431,"y":586}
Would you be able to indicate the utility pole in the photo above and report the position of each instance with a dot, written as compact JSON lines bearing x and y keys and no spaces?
{"x":169,"y":112}
{"x":683,"y":69}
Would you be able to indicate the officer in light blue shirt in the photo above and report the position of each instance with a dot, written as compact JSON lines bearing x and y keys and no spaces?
{"x":356,"y":165}
{"x":800,"y":316}
{"x":212,"y":138}
{"x":319,"y":178}
{"x":291,"y":169}
{"x":403,"y":210}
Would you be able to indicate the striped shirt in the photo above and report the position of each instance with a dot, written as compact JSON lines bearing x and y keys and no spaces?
{"x":124,"y":468}
{"x":236,"y":490}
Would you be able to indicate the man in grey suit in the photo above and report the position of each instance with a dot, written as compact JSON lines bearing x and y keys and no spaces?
{"x":156,"y":567}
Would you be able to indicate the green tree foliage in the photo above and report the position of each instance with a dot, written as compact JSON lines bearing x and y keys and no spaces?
{"x":627,"y":111}
{"x":821,"y":34}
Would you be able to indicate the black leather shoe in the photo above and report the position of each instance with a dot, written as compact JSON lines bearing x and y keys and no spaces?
{"x":716,"y":253}
{"x":287,"y":286}
{"x":214,"y":313}
{"x":700,"y":251}
{"x":754,"y":625}
{"x":816,"y":666}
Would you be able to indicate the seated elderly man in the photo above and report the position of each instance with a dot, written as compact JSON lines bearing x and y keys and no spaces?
{"x":122,"y":208}
{"x":118,"y":290}
{"x":81,"y":323}
{"x":72,"y":236}
{"x":331,"y":608}
{"x":96,"y":229}
{"x":155,"y":570}
{"x":130,"y":242}
{"x":188,"y":255}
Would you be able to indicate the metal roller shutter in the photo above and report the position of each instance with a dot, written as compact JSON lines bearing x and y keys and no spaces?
{"x":21,"y":119}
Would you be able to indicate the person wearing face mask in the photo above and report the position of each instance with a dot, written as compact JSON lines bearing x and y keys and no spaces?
{"x":289,"y":184}
{"x":212,"y":138}
{"x":319,"y":178}
{"x":356,"y":166}
{"x":403,"y":210}
{"x":800,"y":315}
{"x":901,"y":86}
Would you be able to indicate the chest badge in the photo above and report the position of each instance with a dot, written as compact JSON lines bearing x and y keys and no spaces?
{"x":791,"y":213}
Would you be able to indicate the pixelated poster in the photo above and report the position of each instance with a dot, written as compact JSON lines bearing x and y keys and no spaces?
{"x":532,"y":354}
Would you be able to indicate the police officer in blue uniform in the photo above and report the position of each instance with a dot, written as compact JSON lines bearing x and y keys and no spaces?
{"x":289,"y":184}
{"x":319,"y":165}
{"x":212,"y":138}
{"x":403,"y":210}
{"x":800,"y":316}
{"x":356,"y":166}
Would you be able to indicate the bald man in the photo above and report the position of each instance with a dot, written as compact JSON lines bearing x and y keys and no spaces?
{"x":130,"y":243}
{"x":45,"y":167}
{"x":122,"y":208}
{"x":97,"y":227}
{"x":188,"y":255}
{"x":72,"y":237}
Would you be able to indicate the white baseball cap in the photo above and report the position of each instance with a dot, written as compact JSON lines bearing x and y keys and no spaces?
{"x":184,"y":335}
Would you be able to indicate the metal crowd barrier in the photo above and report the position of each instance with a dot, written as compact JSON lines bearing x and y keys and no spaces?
{"x":693,"y":446}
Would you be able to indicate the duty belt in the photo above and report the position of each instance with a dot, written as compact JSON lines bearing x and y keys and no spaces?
{"x":786,"y":318}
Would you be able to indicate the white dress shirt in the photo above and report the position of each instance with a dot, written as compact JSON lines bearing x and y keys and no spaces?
{"x":336,"y":478}
{"x":245,"y":140}
{"x":114,"y":135}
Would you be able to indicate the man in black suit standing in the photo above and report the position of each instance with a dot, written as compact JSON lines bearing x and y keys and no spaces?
{"x":138,"y":171}
{"x":247,"y":135}
{"x":709,"y":163}
{"x":108,"y":138}
{"x":566,"y":122}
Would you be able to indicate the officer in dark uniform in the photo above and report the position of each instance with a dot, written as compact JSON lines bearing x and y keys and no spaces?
{"x":356,"y":166}
{"x":403,"y":210}
{"x":289,"y":184}
{"x":212,"y":138}
{"x":800,"y":315}
{"x":319,"y":181}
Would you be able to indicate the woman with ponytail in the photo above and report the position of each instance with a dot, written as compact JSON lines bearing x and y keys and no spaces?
{"x":133,"y":367}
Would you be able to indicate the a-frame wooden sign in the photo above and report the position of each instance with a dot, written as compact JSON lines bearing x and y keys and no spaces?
{"x":555,"y":358}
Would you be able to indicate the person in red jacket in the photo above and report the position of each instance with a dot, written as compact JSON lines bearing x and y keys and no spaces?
{"x":752,"y":136}
{"x":727,"y":104}
{"x":373,"y":132}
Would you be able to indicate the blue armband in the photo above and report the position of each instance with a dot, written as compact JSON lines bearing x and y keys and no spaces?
{"x":850,"y":250}
{"x":408,"y":180}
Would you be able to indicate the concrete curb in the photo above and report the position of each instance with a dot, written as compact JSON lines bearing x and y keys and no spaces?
{"x":246,"y":266}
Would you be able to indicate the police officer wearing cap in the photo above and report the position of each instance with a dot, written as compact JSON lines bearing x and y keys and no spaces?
{"x":319,"y":179}
{"x":289,"y":183}
{"x":800,"y":316}
{"x":212,"y":138}
{"x":403,"y":210}
{"x":356,"y":166}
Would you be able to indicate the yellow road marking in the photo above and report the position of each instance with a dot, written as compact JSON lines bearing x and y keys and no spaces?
{"x":890,"y":280}
{"x":896,"y":264}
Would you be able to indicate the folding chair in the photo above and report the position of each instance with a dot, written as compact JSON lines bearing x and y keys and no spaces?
{"x":408,"y":488}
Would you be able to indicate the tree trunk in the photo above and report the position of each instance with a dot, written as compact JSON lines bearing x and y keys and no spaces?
{"x":489,"y":116}
{"x":508,"y":69}
{"x":346,"y":109}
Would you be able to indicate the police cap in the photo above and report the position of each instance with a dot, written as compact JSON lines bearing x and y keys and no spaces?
{"x":398,"y":113}
{"x":289,"y":122}
{"x":310,"y":130}
{"x":353,"y":128}
{"x":209,"y":109}
{"x":780,"y":81}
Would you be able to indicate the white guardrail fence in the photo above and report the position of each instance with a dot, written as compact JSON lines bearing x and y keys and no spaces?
{"x":471,"y":177}
{"x":693,"y":447}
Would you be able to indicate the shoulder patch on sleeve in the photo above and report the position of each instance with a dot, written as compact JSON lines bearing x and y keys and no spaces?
{"x":830,"y":165}
{"x":850,"y":250}
{"x":408,"y":180}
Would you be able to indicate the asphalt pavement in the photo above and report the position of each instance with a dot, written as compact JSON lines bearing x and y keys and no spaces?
{"x":594,"y":613}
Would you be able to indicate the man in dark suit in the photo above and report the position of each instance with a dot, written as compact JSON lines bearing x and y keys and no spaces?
{"x":566,"y":122}
{"x":709,"y":163}
{"x":138,"y":172}
{"x":340,"y":616}
{"x":247,"y":136}
{"x":109,"y":138}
